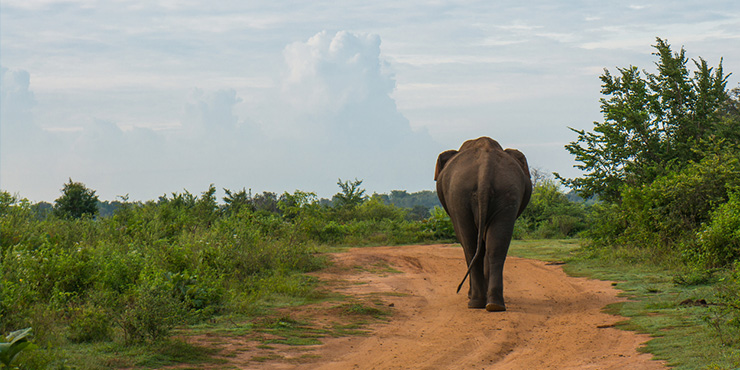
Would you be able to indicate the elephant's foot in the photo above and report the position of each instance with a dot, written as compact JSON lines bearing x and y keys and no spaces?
{"x":477,"y":303}
{"x":495,"y":307}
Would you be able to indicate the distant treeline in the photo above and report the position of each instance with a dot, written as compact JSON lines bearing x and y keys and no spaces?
{"x":419,"y":204}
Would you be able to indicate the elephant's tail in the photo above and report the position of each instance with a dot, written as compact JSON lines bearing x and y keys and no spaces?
{"x":483,"y":198}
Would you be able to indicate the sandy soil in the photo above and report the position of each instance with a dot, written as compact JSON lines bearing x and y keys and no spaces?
{"x":552,"y":321}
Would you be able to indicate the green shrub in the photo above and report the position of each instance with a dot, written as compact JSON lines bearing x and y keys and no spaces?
{"x":331,"y":232}
{"x":550,"y":214}
{"x":440,"y":224}
{"x":374,"y":209}
{"x":12,"y":344}
{"x":665,"y":216}
{"x":90,"y":324}
{"x":133,"y":276}
{"x":719,"y":239}
{"x":76,"y":201}
{"x":149,"y":313}
{"x":724,"y":317}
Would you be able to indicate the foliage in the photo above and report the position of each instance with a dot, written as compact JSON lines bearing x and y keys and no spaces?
{"x":150,"y":312}
{"x":725,"y":317}
{"x":667,"y":218}
{"x":351,"y":195}
{"x":133,"y":276}
{"x":550,"y":214}
{"x":719,"y":239}
{"x":690,"y":319}
{"x":235,"y":201}
{"x":666,"y":155}
{"x":12,"y":344}
{"x":440,"y":225}
{"x":652,"y":124}
{"x":666,"y":163}
{"x":76,"y":201}
{"x":419,"y":204}
{"x":129,"y":278}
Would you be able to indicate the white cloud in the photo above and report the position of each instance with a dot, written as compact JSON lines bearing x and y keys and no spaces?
{"x":339,"y":90}
{"x":330,"y":115}
{"x":280,"y":105}
{"x":329,"y":71}
{"x":43,"y":4}
{"x":16,"y":98}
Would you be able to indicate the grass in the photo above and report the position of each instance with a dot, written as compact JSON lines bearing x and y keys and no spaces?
{"x":287,"y":320}
{"x":544,"y":250}
{"x":295,"y":325}
{"x":113,"y":355}
{"x":661,"y":303}
{"x":382,"y":268}
{"x":358,"y":309}
{"x":687,"y":336}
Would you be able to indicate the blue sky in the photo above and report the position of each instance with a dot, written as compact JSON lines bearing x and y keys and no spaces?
{"x":149,"y":97}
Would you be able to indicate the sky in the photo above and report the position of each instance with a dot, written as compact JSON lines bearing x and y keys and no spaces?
{"x":143,"y":98}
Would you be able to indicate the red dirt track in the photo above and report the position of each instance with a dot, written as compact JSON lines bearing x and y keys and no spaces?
{"x":552,"y":321}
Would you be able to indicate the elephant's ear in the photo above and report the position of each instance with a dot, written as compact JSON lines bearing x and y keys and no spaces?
{"x":442,"y":160}
{"x":519,"y":156}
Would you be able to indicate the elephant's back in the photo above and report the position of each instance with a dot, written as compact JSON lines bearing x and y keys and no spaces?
{"x":482,"y":168}
{"x":461,"y":170}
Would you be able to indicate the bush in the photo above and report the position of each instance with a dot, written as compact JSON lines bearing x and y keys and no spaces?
{"x":13,"y":344}
{"x":719,"y":240}
{"x":375,"y":210}
{"x":149,"y":313}
{"x":550,"y":214}
{"x":724,"y":317}
{"x":76,"y":201}
{"x":666,"y":215}
{"x":90,"y":324}
{"x":151,"y":266}
{"x":439,"y":225}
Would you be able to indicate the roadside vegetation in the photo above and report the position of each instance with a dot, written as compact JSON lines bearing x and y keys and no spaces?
{"x":122,"y":284}
{"x":665,"y":165}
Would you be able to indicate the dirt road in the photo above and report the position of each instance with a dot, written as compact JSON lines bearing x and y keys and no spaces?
{"x":553,"y":321}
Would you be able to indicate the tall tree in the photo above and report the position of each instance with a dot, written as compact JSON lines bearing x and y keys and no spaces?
{"x":76,"y":201}
{"x":652,"y":122}
{"x":351,"y":195}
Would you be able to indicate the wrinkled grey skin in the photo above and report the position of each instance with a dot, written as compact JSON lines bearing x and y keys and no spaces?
{"x":484,"y":189}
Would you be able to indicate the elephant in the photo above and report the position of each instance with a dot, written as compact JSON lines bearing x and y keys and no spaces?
{"x":484,"y":189}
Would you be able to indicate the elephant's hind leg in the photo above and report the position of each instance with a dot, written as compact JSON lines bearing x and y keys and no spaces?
{"x":468,"y":237}
{"x":478,"y":282}
{"x":498,"y":238}
{"x":494,"y":307}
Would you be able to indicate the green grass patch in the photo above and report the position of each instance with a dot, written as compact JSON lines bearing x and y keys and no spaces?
{"x":351,"y":329}
{"x":379,"y":268}
{"x":677,"y":308}
{"x":270,"y":357}
{"x":544,"y":250}
{"x":376,"y":311}
{"x":109,"y":355}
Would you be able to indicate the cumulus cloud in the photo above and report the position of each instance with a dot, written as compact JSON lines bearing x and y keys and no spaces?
{"x":342,"y":88}
{"x":206,"y":112}
{"x":16,"y":100}
{"x":331,"y":115}
{"x":334,"y":70}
